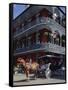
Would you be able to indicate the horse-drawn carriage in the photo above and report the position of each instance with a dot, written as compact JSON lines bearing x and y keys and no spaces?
{"x":37,"y":70}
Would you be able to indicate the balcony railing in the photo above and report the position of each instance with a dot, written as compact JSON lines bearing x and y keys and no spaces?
{"x":40,"y":21}
{"x":42,"y":46}
{"x":29,"y":25}
{"x":56,"y":48}
{"x":32,"y":47}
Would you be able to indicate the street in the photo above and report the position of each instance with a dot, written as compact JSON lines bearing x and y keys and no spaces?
{"x":20,"y":79}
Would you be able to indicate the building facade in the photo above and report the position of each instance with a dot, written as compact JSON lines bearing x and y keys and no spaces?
{"x":39,"y":32}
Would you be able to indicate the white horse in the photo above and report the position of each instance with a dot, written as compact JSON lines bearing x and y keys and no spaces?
{"x":48,"y":71}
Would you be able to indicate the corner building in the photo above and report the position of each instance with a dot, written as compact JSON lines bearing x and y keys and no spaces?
{"x":40,"y":32}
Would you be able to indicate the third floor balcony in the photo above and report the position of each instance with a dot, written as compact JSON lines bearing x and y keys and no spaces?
{"x":37,"y":24}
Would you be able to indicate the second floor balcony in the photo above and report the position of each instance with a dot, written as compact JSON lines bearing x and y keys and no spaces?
{"x":46,"y":47}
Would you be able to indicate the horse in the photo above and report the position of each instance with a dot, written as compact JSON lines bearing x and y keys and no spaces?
{"x":28,"y":66}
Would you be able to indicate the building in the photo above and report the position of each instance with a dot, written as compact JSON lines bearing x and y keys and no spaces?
{"x":40,"y":32}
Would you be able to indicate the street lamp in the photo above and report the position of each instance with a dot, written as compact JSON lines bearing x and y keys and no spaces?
{"x":55,"y":16}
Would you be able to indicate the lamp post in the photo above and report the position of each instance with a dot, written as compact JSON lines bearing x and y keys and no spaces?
{"x":55,"y":16}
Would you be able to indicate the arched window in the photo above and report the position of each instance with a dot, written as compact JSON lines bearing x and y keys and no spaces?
{"x":50,"y":37}
{"x":56,"y":38}
{"x":45,"y":36}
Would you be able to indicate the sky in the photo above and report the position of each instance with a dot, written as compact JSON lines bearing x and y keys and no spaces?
{"x":19,"y":8}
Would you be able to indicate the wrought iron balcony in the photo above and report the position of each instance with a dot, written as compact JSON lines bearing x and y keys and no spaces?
{"x":29,"y":25}
{"x":32,"y":47}
{"x":56,"y":48}
{"x":39,"y":23}
{"x":46,"y":47}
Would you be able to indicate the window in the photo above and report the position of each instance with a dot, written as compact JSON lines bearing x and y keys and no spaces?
{"x":29,"y":20}
{"x":56,"y":37}
{"x":50,"y":14}
{"x":63,"y":41}
{"x":63,"y":21}
{"x":28,"y":41}
{"x":50,"y":37}
{"x":20,"y":43}
{"x":25,"y":23}
{"x":33,"y":38}
{"x":58,"y":19}
{"x":17,"y":29}
{"x":56,"y":40}
{"x":45,"y":36}
{"x":14,"y":44}
{"x":22,"y":24}
{"x":17,"y":44}
{"x":24,"y":42}
{"x":37,"y":37}
{"x":37,"y":17}
{"x":46,"y":33}
{"x":33,"y":20}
